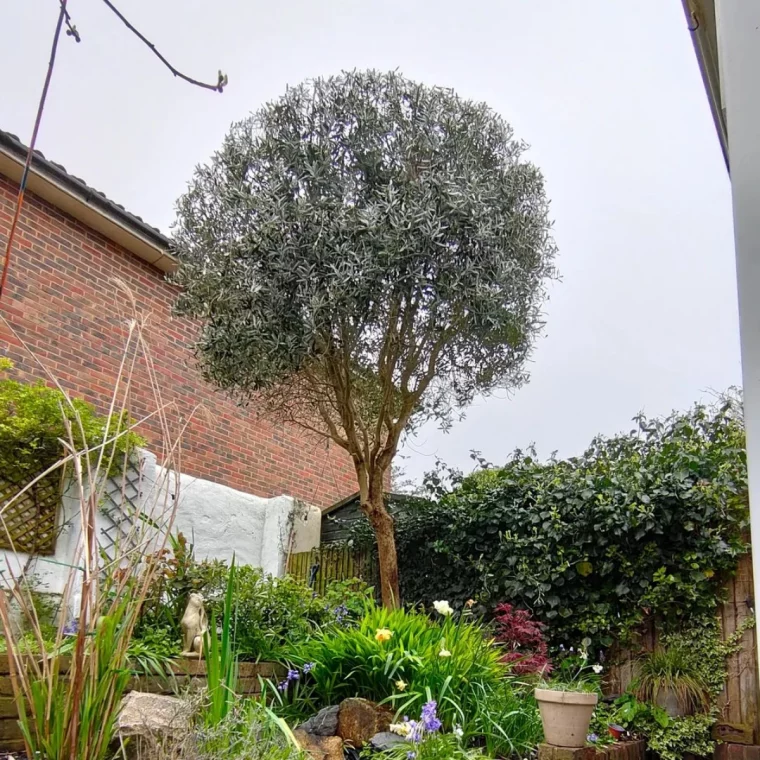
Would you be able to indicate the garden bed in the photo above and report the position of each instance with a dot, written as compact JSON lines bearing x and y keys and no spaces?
{"x":185,"y":676}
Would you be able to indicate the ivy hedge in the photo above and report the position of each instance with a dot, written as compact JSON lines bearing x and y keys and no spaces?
{"x":647,"y":523}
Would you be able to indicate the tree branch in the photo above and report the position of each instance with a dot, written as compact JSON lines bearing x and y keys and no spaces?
{"x":221,"y":81}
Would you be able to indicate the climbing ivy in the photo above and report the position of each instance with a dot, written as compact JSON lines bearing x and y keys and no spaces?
{"x":647,"y":523}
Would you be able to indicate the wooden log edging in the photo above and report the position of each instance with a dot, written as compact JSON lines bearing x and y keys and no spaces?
{"x":185,"y":676}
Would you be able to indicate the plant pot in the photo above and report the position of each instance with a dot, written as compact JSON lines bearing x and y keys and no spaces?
{"x":566,"y":716}
{"x":668,"y":700}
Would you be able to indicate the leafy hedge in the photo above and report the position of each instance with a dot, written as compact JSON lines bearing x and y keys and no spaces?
{"x":641,"y":523}
{"x":33,"y":423}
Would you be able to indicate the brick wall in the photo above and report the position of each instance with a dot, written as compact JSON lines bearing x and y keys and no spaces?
{"x":61,"y":301}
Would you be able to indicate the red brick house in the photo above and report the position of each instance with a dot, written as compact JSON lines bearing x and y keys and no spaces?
{"x":60,"y":298}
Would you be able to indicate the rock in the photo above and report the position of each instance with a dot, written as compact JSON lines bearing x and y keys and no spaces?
{"x":324,"y":723}
{"x":385,"y":740}
{"x":154,"y":715}
{"x":319,"y":747}
{"x":359,"y":720}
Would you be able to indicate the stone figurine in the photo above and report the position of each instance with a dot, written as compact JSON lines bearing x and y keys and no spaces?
{"x":194,"y":626}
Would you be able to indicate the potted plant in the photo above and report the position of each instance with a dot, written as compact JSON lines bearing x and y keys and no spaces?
{"x":567,"y":700}
{"x":670,"y":679}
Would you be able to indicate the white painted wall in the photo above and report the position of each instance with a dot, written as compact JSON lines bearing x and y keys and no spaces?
{"x":220,"y":521}
{"x":739,"y":45}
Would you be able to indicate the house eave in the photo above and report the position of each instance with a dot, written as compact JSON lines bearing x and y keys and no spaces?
{"x":703,"y":28}
{"x":74,"y":197}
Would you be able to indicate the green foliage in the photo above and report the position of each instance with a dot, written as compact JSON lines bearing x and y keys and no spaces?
{"x":248,"y":732}
{"x":573,"y":672}
{"x":45,"y":730}
{"x":437,"y":746}
{"x":644,"y":523}
{"x":351,"y":187}
{"x":33,"y":424}
{"x":504,"y":721}
{"x":673,"y":669}
{"x":221,"y":660}
{"x":706,"y":652}
{"x":151,"y":653}
{"x":405,"y":659}
{"x":445,"y":658}
{"x":268,"y":612}
{"x":177,"y":575}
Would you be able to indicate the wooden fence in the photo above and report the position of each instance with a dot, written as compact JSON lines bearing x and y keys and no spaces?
{"x":332,"y":562}
{"x":739,"y":701}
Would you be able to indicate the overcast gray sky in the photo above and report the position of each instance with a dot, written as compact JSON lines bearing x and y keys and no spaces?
{"x":607,"y":92}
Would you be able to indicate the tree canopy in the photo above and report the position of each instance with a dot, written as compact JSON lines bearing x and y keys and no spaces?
{"x":365,"y":253}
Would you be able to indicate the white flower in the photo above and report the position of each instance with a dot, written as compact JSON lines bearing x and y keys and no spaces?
{"x":583,"y":654}
{"x":443,"y":608}
{"x":597,"y":669}
{"x":458,"y":732}
{"x":444,"y":653}
{"x":402,"y":729}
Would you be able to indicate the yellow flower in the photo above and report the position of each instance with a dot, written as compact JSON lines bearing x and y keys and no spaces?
{"x":402,"y":729}
{"x":401,"y":684}
{"x":383,"y":634}
{"x":444,"y":652}
{"x":470,"y":603}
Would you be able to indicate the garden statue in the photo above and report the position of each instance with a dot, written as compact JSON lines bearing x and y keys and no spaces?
{"x":194,"y":626}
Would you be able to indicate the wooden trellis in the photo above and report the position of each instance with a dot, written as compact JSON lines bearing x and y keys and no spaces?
{"x":29,"y":523}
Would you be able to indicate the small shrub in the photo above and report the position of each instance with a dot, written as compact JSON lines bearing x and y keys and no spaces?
{"x":249,"y":732}
{"x":523,"y":637}
{"x":673,"y":670}
{"x":268,"y":612}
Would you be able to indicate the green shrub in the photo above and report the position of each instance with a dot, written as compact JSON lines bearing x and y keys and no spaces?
{"x":672,"y":669}
{"x":401,"y":656}
{"x":268,"y":612}
{"x":404,"y":659}
{"x":249,"y":732}
{"x":33,"y":421}
{"x":647,"y":522}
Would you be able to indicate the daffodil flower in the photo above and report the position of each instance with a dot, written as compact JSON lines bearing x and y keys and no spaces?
{"x":443,"y":608}
{"x":401,"y":684}
{"x":383,"y":634}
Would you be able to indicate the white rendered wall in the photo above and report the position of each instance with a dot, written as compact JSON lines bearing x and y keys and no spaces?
{"x":739,"y":44}
{"x":220,"y":521}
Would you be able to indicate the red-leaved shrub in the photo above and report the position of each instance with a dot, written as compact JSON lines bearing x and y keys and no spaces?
{"x":523,"y":637}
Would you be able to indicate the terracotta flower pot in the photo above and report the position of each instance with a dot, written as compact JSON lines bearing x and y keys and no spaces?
{"x":565,"y":716}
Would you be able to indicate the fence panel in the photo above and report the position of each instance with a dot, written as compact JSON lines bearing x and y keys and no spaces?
{"x":739,"y":701}
{"x":332,"y":562}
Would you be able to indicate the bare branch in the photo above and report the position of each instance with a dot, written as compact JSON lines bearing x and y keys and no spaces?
{"x":221,"y":81}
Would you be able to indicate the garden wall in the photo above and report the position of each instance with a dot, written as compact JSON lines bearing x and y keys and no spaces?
{"x":186,"y":675}
{"x":739,"y":721}
{"x":219,"y":521}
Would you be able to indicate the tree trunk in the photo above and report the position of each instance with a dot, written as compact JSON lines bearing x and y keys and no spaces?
{"x":382,"y":523}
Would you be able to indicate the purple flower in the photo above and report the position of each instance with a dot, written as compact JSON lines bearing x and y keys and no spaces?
{"x":593,"y":738}
{"x":415,"y":731}
{"x":293,"y":675}
{"x":429,"y":719}
{"x":308,"y":667}
{"x":71,"y":628}
{"x":411,"y":755}
{"x":282,"y":686}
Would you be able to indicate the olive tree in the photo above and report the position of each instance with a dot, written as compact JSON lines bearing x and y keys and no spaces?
{"x":364,"y":254}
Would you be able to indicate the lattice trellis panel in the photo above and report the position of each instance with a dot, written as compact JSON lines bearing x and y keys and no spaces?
{"x":121,"y":502}
{"x":29,"y":523}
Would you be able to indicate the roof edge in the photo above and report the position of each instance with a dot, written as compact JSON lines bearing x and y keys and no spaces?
{"x":70,"y":194}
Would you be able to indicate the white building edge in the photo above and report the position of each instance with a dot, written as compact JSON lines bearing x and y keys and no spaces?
{"x":726,"y":36}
